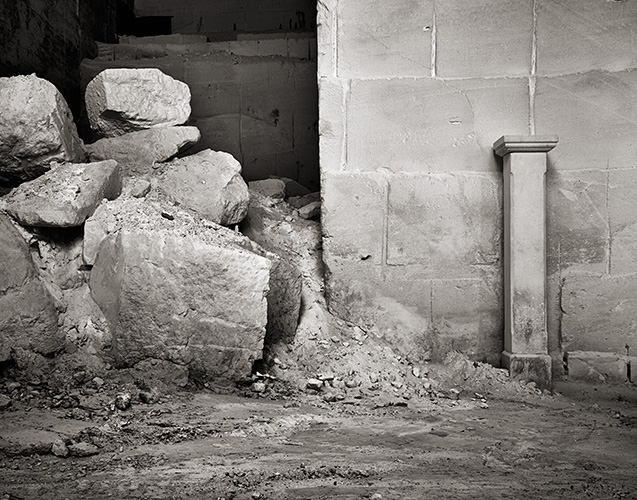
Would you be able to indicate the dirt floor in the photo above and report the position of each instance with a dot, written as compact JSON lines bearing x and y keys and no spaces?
{"x":578,"y":443}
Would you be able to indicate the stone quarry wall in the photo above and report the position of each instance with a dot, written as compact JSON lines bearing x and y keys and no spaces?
{"x":51,"y":38}
{"x":221,"y":18}
{"x":254,"y":97}
{"x":413,"y":94}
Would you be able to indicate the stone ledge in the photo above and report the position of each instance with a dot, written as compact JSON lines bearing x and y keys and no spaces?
{"x":599,"y":367}
{"x":524,"y":144}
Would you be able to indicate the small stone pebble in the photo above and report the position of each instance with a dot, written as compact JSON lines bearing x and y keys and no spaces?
{"x":123,"y":401}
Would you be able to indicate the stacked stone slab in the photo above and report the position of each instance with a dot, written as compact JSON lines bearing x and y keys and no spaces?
{"x":36,"y":128}
{"x":65,"y":196}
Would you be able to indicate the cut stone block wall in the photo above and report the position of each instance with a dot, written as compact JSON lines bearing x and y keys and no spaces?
{"x":263,"y":109}
{"x":413,"y":95}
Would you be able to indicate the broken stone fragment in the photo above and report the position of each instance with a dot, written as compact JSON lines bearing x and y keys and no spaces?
{"x":59,"y":448}
{"x":122,"y":100}
{"x":293,"y":188}
{"x":209,"y":183}
{"x":300,"y":201}
{"x":36,"y":128}
{"x":136,"y":152}
{"x":272,"y":188}
{"x":83,"y":449}
{"x":214,"y":284}
{"x":28,"y":316}
{"x":311,"y":211}
{"x":65,"y":196}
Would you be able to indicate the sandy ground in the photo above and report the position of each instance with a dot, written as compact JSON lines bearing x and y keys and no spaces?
{"x":581,"y":443}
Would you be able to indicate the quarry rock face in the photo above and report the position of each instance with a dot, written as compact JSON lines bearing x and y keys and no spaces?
{"x":137,"y":151}
{"x":209,"y":183}
{"x":65,"y":196}
{"x":36,"y":128}
{"x":176,"y":290}
{"x":28,"y":316}
{"x":122,"y":100}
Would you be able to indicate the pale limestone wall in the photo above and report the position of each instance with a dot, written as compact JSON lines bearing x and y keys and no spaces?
{"x":413,"y":93}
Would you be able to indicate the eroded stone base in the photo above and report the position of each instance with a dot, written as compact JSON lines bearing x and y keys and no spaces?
{"x":530,"y":367}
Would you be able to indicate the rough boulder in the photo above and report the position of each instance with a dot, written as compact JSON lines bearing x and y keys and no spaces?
{"x":176,"y":289}
{"x":28,"y":315}
{"x":137,"y":152}
{"x":122,"y":100}
{"x":209,"y":183}
{"x":65,"y":196}
{"x":36,"y":128}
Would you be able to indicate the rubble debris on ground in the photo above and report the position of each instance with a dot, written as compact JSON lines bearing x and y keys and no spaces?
{"x":184,"y":278}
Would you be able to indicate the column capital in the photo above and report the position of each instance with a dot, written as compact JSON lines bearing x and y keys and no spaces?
{"x":524,"y":144}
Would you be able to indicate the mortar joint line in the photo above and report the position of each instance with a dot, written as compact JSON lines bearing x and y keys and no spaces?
{"x":434,"y":44}
{"x":533,"y":75}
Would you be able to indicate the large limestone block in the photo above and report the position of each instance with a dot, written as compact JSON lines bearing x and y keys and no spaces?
{"x":36,"y":128}
{"x":181,"y":291}
{"x":65,"y":196}
{"x":381,"y":38}
{"x":209,"y":183}
{"x":136,"y":152}
{"x":28,"y":317}
{"x":598,"y":312}
{"x":125,"y":100}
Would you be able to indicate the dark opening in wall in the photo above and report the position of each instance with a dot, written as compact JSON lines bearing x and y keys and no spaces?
{"x":129,"y":24}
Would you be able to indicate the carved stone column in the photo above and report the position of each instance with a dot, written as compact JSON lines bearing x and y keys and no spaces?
{"x":525,"y":337}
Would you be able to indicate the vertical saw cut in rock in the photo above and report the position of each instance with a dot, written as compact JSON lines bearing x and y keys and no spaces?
{"x":36,"y":128}
{"x":122,"y":100}
{"x":209,"y":183}
{"x":177,"y":290}
{"x":28,"y":316}
{"x":65,"y":196}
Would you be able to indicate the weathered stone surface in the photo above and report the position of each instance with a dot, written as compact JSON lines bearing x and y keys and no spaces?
{"x":599,"y":367}
{"x":599,"y":312}
{"x":125,"y":100}
{"x":65,"y":196}
{"x":567,"y":43}
{"x":265,"y":225}
{"x":450,"y":222}
{"x":300,"y":201}
{"x":177,"y":290}
{"x":273,"y":188}
{"x":293,"y":188}
{"x":500,"y":34}
{"x":28,"y":317}
{"x":607,"y":100}
{"x":622,"y":213}
{"x":311,"y":211}
{"x":416,"y":125}
{"x":82,"y":449}
{"x":137,"y":151}
{"x":209,"y":183}
{"x":36,"y":128}
{"x":577,"y":219}
{"x":385,"y":38}
{"x":363,"y":198}
{"x":332,"y":123}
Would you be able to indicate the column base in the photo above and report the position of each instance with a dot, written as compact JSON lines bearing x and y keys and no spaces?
{"x":529,"y":367}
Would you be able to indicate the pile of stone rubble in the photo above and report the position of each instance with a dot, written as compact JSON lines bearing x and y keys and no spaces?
{"x":126,"y":252}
